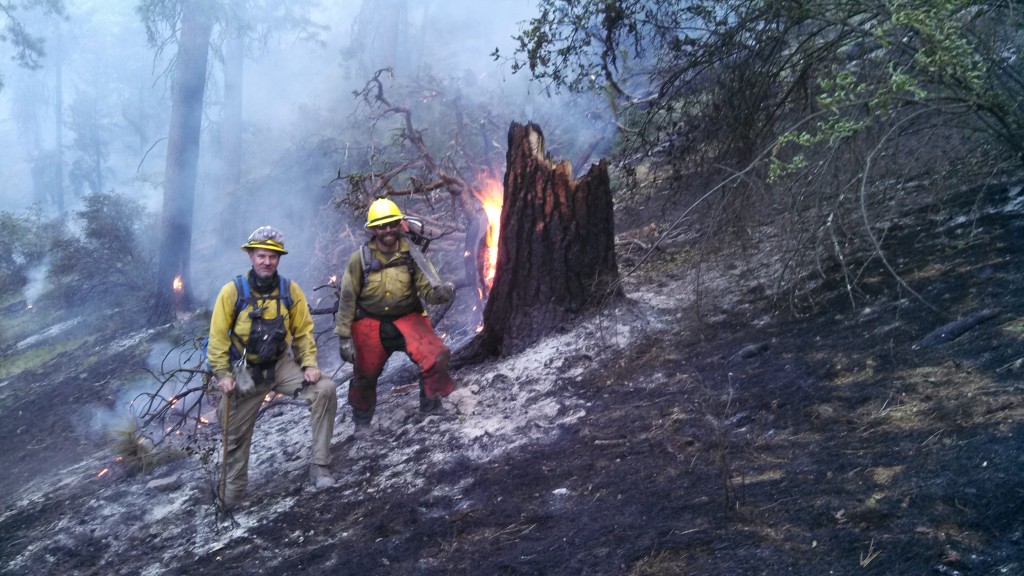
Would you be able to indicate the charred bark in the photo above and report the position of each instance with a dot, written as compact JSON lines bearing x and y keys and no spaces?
{"x":556,"y":253}
{"x":182,"y":157}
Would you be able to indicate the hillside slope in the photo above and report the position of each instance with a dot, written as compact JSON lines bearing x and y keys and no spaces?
{"x":654,"y":437}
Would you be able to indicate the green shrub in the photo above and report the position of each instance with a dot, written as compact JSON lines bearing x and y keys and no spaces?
{"x":23,"y":245}
{"x":109,"y":259}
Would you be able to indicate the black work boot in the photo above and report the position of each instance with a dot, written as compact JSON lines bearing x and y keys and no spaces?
{"x":320,"y":476}
{"x":231,"y":499}
{"x":362,"y":431}
{"x":362,"y":418}
{"x":429,"y":406}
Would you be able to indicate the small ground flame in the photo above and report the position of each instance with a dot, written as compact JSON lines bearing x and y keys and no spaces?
{"x":178,"y":285}
{"x":491,"y":195}
{"x":103,"y":473}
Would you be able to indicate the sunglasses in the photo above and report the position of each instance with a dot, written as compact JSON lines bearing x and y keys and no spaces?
{"x":388,"y":226}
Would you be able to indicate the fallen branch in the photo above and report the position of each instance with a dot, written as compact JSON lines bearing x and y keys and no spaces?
{"x":955,"y":329}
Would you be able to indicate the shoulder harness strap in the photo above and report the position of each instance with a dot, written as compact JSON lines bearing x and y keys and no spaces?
{"x":371,"y":264}
{"x":367,"y":261}
{"x":245,"y":297}
{"x":284,"y":292}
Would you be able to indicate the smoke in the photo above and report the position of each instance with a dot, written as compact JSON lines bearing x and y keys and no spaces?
{"x":97,"y":423}
{"x":303,"y":128}
{"x":36,"y":281}
{"x":300,"y":127}
{"x":129,"y":407}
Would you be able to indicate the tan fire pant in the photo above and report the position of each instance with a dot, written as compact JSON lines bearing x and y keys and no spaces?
{"x":240,"y":419}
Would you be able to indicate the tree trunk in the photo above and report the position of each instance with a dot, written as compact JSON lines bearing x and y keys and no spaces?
{"x":556,"y":253}
{"x":182,"y":157}
{"x":393,"y":14}
{"x":58,"y":110}
{"x":231,"y":139}
{"x":231,"y":128}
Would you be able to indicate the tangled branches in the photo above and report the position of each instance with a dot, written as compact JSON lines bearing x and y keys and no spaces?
{"x":171,"y":417}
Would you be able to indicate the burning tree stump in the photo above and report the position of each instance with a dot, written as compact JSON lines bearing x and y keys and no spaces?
{"x":556,"y":251}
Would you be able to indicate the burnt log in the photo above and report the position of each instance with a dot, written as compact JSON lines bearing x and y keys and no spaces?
{"x":556,"y":251}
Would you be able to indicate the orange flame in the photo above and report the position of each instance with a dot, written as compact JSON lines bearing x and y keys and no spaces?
{"x":103,"y":473}
{"x":178,"y":285}
{"x":333,"y":280}
{"x":491,"y":196}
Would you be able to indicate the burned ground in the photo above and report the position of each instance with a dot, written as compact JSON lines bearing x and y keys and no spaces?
{"x":649,"y":439}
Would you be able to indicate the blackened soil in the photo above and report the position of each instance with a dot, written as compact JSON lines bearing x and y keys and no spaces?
{"x":827,"y":444}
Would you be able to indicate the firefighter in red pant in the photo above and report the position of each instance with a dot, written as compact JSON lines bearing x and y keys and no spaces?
{"x":381,"y":312}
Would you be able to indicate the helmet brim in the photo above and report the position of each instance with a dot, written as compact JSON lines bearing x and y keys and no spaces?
{"x":385,"y":220}
{"x":268,"y":245}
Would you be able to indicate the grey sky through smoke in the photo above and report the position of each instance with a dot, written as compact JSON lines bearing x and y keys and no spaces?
{"x":297,"y":91}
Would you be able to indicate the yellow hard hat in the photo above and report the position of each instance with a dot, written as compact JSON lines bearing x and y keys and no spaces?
{"x":266,"y":237}
{"x":383,"y":211}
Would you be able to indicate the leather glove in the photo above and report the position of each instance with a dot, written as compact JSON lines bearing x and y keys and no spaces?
{"x":347,"y":350}
{"x":445,"y":292}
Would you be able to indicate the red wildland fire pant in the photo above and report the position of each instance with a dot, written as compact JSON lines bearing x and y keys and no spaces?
{"x":421,"y":344}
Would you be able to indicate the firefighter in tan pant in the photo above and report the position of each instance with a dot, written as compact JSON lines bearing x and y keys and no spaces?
{"x":267,"y":317}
